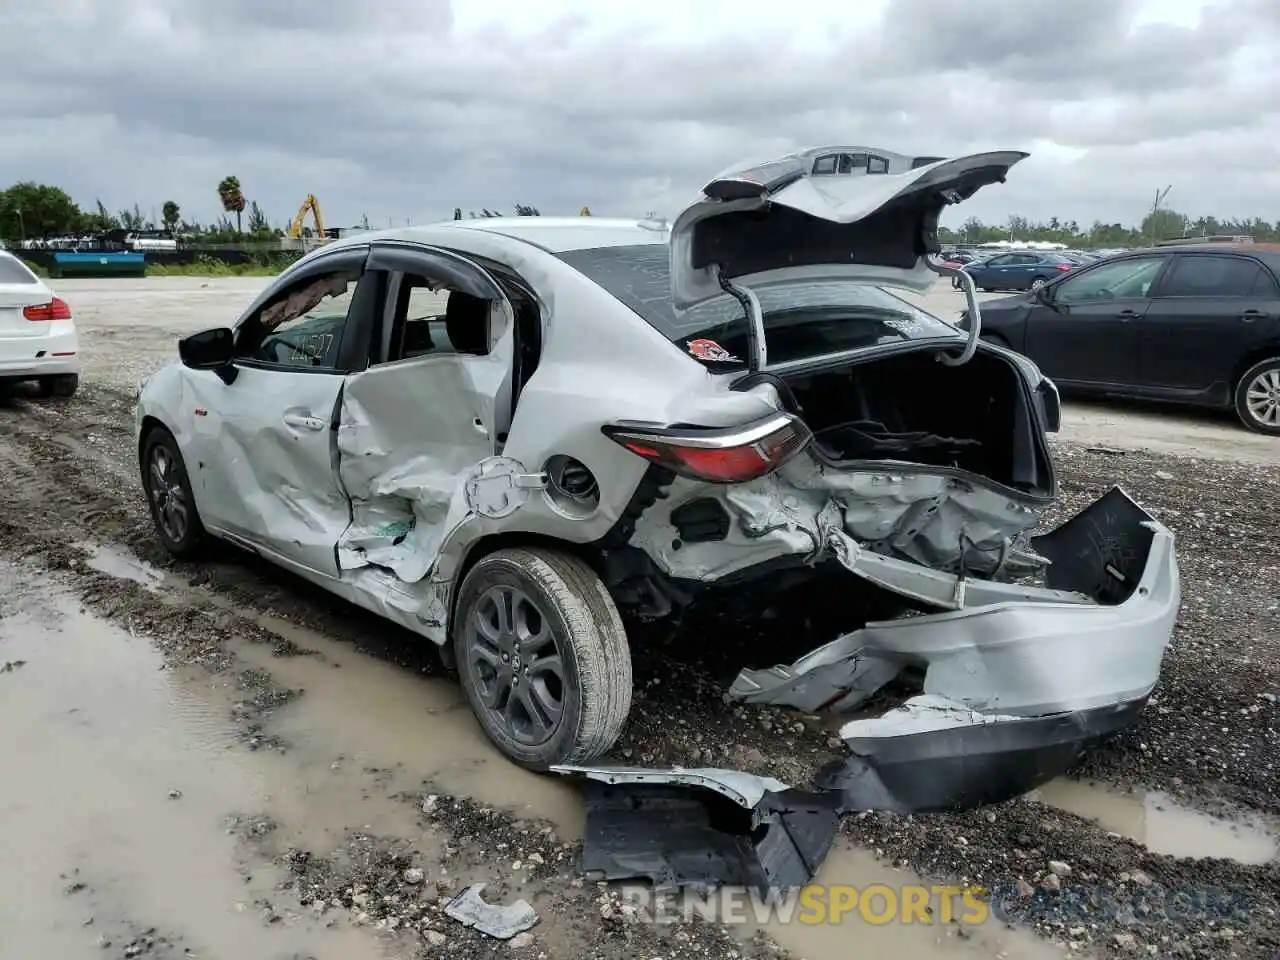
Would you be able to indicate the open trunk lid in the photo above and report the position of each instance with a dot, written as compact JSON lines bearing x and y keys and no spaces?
{"x":829,"y":213}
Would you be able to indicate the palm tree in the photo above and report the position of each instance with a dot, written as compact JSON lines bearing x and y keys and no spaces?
{"x":170,"y":214}
{"x":232,"y":197}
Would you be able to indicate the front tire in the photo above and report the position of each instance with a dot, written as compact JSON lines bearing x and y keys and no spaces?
{"x":168,"y":488}
{"x":1257,"y":399}
{"x":542,"y":656}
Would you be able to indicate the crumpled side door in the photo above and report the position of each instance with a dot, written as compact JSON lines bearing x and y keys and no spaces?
{"x":411,"y":434}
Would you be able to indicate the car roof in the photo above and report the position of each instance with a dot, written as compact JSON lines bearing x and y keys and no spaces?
{"x":554,"y":234}
{"x":1268,"y":253}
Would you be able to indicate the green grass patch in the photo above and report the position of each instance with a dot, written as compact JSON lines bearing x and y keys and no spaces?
{"x":206,"y":266}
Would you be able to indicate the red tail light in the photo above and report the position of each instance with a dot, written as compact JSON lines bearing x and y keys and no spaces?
{"x":729,"y":455}
{"x":1064,"y":267}
{"x":55,"y":309}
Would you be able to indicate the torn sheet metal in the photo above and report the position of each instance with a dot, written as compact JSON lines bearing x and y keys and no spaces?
{"x":410,"y":436}
{"x":502,"y":922}
{"x":1095,"y":637}
{"x":929,"y":521}
{"x":1014,"y":689}
{"x":703,"y":828}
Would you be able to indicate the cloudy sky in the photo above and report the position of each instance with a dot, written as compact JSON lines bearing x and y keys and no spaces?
{"x":405,"y":109}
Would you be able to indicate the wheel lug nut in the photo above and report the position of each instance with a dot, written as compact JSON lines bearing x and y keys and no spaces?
{"x":505,"y":658}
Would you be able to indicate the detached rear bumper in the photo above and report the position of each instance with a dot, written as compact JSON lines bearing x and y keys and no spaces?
{"x":1018,"y":679}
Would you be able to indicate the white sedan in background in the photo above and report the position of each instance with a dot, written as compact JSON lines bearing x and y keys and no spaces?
{"x":37,"y":334}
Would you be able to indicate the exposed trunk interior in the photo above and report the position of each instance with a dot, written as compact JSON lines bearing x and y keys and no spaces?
{"x":909,"y":407}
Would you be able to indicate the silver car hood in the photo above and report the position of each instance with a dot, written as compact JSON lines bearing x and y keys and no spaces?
{"x":778,"y":222}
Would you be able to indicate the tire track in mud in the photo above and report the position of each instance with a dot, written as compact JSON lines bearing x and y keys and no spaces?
{"x":67,"y":485}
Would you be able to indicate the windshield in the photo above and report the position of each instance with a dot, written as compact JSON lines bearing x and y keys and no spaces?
{"x":801,"y":319}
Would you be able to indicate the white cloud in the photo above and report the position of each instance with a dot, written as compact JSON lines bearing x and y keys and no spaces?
{"x":408,"y":108}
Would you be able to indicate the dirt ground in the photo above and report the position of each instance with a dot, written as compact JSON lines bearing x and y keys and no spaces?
{"x":217,"y":760}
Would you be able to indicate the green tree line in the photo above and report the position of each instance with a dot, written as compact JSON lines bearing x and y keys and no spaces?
{"x":31,"y":210}
{"x":1157,"y":225}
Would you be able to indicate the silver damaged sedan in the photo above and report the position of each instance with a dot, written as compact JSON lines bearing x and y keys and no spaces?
{"x":517,"y":436}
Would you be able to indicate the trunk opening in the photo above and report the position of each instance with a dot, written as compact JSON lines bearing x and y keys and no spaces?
{"x":977,"y":417}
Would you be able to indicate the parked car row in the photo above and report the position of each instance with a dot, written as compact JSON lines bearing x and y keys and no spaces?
{"x":1194,"y":324}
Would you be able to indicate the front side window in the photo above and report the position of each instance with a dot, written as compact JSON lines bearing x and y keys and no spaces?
{"x":801,"y":319}
{"x":1124,"y":279}
{"x":303,"y":326}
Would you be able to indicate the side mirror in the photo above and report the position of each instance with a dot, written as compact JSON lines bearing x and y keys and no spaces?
{"x":209,"y":350}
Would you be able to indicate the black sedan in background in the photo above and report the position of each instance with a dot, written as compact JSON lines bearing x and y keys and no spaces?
{"x":1197,"y":325}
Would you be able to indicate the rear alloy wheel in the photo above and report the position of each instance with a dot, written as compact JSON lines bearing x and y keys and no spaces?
{"x":1258,"y":397}
{"x":63,"y":385}
{"x":173,"y":508}
{"x":542,"y":656}
{"x":1038,"y":282}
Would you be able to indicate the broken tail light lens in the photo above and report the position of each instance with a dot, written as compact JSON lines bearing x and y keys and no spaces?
{"x":718,"y":455}
{"x":55,"y":309}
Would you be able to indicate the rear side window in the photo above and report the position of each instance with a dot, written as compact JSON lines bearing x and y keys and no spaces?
{"x":1210,"y":276}
{"x":13,"y":270}
{"x":802,"y":319}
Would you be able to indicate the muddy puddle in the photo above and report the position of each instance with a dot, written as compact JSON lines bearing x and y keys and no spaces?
{"x":1163,"y":825}
{"x":360,"y":710}
{"x":126,"y":777}
{"x":891,"y":928}
{"x":119,"y":779}
{"x":118,"y":563}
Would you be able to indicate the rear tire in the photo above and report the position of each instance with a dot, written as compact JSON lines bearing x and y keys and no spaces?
{"x":542,"y":656}
{"x":168,"y":489}
{"x":1257,"y":398}
{"x":1038,"y":282}
{"x":62,"y":386}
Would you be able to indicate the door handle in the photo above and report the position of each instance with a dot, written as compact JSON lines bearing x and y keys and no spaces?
{"x":303,"y":422}
{"x":1128,"y":314}
{"x":1251,"y":315}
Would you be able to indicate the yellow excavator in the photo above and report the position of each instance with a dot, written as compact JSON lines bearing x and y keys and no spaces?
{"x":309,"y":204}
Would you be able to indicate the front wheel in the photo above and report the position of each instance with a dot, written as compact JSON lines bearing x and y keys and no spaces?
{"x":542,"y":656}
{"x":1257,"y":399}
{"x":173,"y":507}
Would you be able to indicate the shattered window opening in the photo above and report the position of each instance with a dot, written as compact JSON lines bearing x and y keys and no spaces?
{"x":304,"y":327}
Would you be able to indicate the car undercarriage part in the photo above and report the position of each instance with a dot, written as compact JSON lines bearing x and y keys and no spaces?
{"x":703,"y":828}
{"x":502,"y":922}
